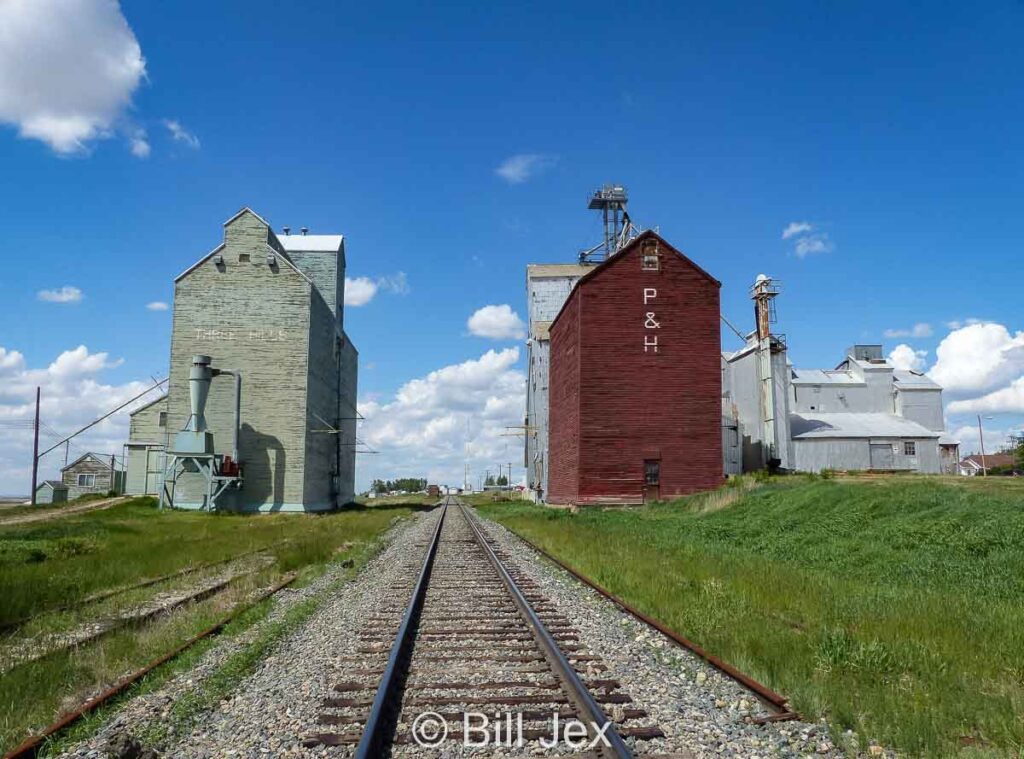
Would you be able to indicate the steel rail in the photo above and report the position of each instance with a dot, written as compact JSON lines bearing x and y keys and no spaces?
{"x":766,"y":694}
{"x":576,"y":690}
{"x":372,"y":742}
{"x":106,"y":594}
{"x":31,"y":746}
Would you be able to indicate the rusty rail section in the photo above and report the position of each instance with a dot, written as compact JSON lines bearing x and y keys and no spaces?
{"x":31,"y":746}
{"x":763,"y":692}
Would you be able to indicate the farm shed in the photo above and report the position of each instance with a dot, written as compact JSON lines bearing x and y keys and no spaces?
{"x":90,"y":473}
{"x":635,"y":391}
{"x":271,"y":308}
{"x":51,"y":491}
{"x":147,"y":441}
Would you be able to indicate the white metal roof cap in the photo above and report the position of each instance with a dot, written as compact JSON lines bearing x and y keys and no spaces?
{"x":311,"y":243}
{"x":809,"y":425}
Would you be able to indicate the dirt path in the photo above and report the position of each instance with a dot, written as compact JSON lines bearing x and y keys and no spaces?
{"x":61,"y":511}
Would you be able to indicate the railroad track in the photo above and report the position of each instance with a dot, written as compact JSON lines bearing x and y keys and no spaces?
{"x":464,"y":650}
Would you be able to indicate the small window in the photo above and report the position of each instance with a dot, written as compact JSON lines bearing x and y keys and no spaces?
{"x":652,"y":472}
{"x":909,"y":448}
{"x":650,"y":260}
{"x":86,"y":480}
{"x":162,"y":420}
{"x":243,"y":258}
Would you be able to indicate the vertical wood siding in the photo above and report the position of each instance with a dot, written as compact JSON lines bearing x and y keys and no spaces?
{"x":256,"y":318}
{"x":629,"y":405}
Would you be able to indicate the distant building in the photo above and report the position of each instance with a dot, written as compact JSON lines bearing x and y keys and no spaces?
{"x":976,"y":464}
{"x":147,"y":441}
{"x":635,"y":380}
{"x":90,"y":473}
{"x":862,"y":415}
{"x":51,"y":491}
{"x":270,"y":307}
{"x":547,"y":288}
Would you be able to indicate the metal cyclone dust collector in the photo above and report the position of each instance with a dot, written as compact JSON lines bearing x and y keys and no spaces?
{"x":193,"y":449}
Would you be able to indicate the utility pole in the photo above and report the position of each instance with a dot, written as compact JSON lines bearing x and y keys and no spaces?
{"x":113,"y":474}
{"x":981,"y":439}
{"x":35,"y":450}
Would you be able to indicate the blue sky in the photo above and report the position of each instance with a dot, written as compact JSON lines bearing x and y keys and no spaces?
{"x":892,"y":130}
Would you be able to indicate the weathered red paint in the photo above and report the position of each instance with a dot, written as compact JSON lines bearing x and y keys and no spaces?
{"x":613,"y":405}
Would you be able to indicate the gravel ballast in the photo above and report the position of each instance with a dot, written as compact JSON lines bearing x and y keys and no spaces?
{"x":271,"y":711}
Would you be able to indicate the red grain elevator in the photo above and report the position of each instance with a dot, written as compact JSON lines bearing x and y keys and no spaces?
{"x":635,"y":383}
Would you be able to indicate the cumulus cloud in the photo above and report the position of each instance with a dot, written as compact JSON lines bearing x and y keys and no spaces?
{"x":1008,"y":400}
{"x":68,"y":69}
{"x":978,"y":358}
{"x":921,"y":329}
{"x":66,"y":294}
{"x":73,"y":394}
{"x":519,"y":168}
{"x":361,"y":290}
{"x":157,"y":305}
{"x":181,"y":134}
{"x":905,"y":357}
{"x":497,"y":323}
{"x":435,"y":423}
{"x":807,"y":240}
{"x":796,"y":228}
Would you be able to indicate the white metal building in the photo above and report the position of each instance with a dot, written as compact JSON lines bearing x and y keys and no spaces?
{"x":862,"y":415}
{"x":547,"y":288}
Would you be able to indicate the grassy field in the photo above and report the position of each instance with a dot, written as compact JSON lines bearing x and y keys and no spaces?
{"x":44,"y":566}
{"x":893,"y":607}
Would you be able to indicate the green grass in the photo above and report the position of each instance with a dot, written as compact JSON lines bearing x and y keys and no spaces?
{"x":893,"y":607}
{"x":43,"y":565}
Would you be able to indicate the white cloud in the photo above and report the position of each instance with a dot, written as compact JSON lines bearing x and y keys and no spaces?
{"x":796,"y":228}
{"x":1008,"y":399}
{"x":519,"y":168}
{"x":68,"y":69}
{"x":815,"y":243}
{"x":394,"y":283}
{"x":921,"y":329}
{"x":497,"y":323}
{"x":958,"y":324}
{"x":435,"y":423}
{"x":157,"y":305}
{"x":361,"y":290}
{"x":66,"y":294}
{"x":138,"y":143}
{"x":905,"y":357}
{"x":73,"y":394}
{"x":181,"y":134}
{"x":978,"y":358}
{"x":807,"y":241}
